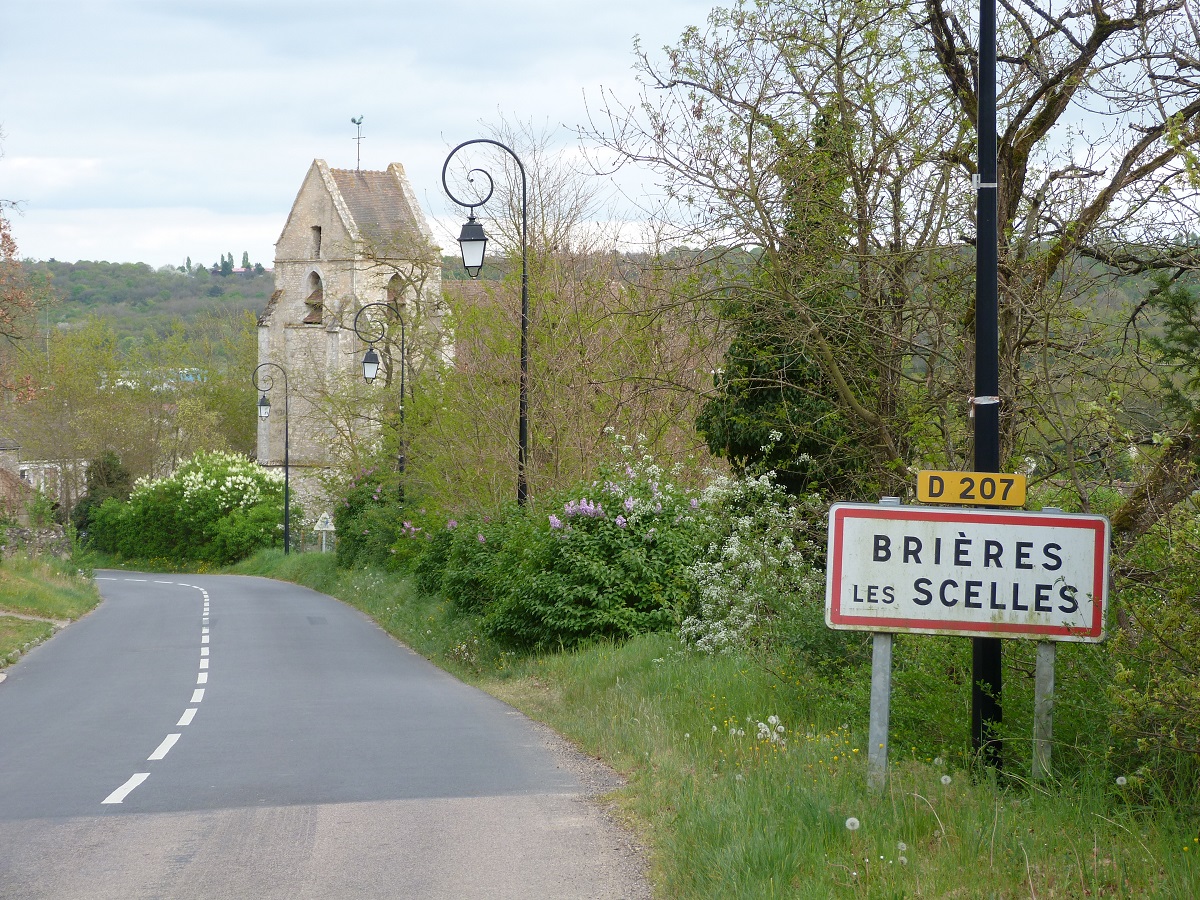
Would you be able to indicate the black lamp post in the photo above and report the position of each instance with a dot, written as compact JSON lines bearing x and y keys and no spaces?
{"x":370,"y":366}
{"x":472,"y":241}
{"x":265,"y":384}
{"x":986,"y":670}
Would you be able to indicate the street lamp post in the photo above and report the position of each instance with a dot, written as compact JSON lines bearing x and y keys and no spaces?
{"x":473,"y":243}
{"x":264,"y":384}
{"x":371,"y":368}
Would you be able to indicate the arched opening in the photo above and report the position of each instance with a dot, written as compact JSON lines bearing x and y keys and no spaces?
{"x":315,"y":300}
{"x":395,"y":292}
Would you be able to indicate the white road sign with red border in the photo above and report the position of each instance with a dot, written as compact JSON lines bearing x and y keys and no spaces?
{"x":989,"y":573}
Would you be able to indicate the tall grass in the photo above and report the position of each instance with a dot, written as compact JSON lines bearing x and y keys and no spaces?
{"x":45,"y":587}
{"x":729,"y":813}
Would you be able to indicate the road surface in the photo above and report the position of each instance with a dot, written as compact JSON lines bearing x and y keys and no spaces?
{"x":233,"y":737}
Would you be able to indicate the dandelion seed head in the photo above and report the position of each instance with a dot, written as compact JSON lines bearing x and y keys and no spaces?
{"x":1121,"y":781}
{"x":946,"y":779}
{"x":852,"y":824}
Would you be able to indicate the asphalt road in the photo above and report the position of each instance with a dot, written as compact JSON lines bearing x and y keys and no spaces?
{"x":223,"y":736}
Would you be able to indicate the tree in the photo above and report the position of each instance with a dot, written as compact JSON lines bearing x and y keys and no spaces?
{"x":245,"y":259}
{"x":20,"y":295}
{"x":151,"y":402}
{"x":722,"y":115}
{"x":106,"y":478}
{"x":614,"y":344}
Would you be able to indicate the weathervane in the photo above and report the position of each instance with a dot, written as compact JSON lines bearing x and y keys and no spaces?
{"x":358,"y":141}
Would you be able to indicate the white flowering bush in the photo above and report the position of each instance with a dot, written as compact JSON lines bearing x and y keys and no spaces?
{"x":216,"y":507}
{"x":762,"y":564}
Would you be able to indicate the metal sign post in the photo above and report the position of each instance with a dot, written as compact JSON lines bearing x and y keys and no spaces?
{"x":325,"y":526}
{"x":881,"y":699}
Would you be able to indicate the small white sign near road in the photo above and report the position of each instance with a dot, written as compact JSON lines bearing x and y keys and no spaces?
{"x":324,"y":523}
{"x":961,"y":571}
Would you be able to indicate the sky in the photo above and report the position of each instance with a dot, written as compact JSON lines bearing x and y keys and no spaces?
{"x":156,"y":130}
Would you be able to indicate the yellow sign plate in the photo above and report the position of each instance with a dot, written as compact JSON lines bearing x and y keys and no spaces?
{"x":971,"y":488}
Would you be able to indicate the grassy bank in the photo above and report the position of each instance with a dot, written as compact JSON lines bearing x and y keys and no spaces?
{"x":44,"y":593}
{"x":732,"y":808}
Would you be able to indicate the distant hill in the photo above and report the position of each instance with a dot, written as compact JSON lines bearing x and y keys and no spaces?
{"x":138,"y":298}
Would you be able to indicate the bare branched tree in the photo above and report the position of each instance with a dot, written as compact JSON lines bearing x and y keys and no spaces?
{"x":1099,"y":107}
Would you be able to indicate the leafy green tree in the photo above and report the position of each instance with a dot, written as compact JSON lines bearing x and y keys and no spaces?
{"x":106,"y":478}
{"x":771,"y":410}
{"x":774,"y":407}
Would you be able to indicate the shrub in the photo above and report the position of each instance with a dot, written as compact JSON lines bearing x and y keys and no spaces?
{"x":1156,"y":691}
{"x":759,"y":574}
{"x":216,"y":507}
{"x":610,"y":561}
{"x":376,"y":528}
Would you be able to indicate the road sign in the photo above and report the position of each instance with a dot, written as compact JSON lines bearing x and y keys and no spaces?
{"x":990,"y":573}
{"x":971,"y":488}
{"x":324,"y":523}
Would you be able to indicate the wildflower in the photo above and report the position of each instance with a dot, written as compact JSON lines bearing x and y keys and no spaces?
{"x":852,"y":824}
{"x":482,"y":539}
{"x":904,"y":860}
{"x":937,"y":760}
{"x":555,"y":522}
{"x":621,"y":521}
{"x":714,"y":729}
{"x":628,"y":504}
{"x":1121,"y":781}
{"x":695,"y":504}
{"x":946,"y":779}
{"x":772,"y":720}
{"x":452,"y":524}
{"x":901,"y":846}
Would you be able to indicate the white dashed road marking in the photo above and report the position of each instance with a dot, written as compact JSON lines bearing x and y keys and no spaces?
{"x":119,"y":795}
{"x":164,"y":748}
{"x":123,"y":791}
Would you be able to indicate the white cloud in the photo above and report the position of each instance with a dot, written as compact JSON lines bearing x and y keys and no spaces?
{"x":218,"y":107}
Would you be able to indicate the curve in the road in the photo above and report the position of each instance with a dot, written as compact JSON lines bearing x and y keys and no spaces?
{"x":160,"y":752}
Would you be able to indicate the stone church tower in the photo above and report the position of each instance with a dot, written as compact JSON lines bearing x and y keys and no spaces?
{"x":352,"y":238}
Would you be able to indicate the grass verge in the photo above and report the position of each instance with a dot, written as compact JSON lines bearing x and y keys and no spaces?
{"x":731,"y":808}
{"x":47,"y":590}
